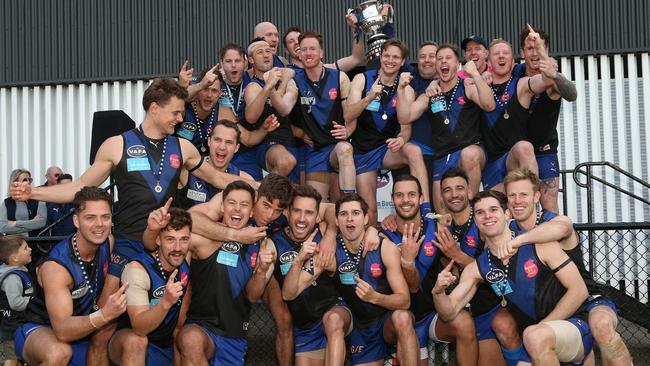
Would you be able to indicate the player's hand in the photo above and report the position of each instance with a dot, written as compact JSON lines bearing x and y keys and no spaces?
{"x":173,"y":291}
{"x":376,"y":88}
{"x":370,"y":240}
{"x":339,"y":132}
{"x":445,"y":242}
{"x":20,"y":191}
{"x":325,"y":258}
{"x":265,"y":257}
{"x":159,"y":218}
{"x":395,"y":144}
{"x":308,"y":248}
{"x":444,"y":219}
{"x":272,"y":76}
{"x":410,"y":243}
{"x":116,"y":304}
{"x":470,"y":68}
{"x":250,"y":234}
{"x":364,"y":291}
{"x":548,"y":68}
{"x":271,"y":123}
{"x":534,"y":37}
{"x":505,"y":250}
{"x":287,"y":73}
{"x":185,"y":74}
{"x":351,"y":20}
{"x":487,"y":76}
{"x":445,"y":279}
{"x":433,"y":89}
{"x":307,"y":140}
{"x":389,"y":223}
{"x":211,"y":76}
{"x":404,"y":80}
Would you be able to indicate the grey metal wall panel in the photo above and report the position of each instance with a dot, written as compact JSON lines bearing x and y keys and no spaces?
{"x":59,"y":41}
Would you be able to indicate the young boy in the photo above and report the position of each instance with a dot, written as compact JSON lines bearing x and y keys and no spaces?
{"x":15,"y":291}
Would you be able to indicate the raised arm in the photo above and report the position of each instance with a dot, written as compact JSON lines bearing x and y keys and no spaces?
{"x":253,"y":138}
{"x":157,"y":220}
{"x":358,"y":55}
{"x":263,"y":271}
{"x":478,"y":90}
{"x":356,"y":104}
{"x":409,"y":249}
{"x":408,"y":107}
{"x":448,"y":306}
{"x":209,"y":78}
{"x":297,"y":280}
{"x":283,"y":103}
{"x":255,"y":96}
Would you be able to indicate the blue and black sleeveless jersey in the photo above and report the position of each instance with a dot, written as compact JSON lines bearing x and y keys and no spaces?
{"x":232,"y":96}
{"x":282,"y":135}
{"x":309,"y":307}
{"x":535,"y":289}
{"x":163,"y":334}
{"x":219,"y":300}
{"x":427,"y":263}
{"x":371,"y":270}
{"x":372,"y":130}
{"x":455,"y":121}
{"x":320,"y":104}
{"x":136,"y":177}
{"x":197,"y":190}
{"x":10,"y":318}
{"x":84,"y":293}
{"x":196,"y":130}
{"x":499,"y":133}
{"x":575,"y":253}
{"x":421,"y":129}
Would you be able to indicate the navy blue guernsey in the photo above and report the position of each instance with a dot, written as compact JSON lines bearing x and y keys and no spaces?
{"x":372,"y":129}
{"x":219,"y":300}
{"x":163,"y":334}
{"x":320,"y":104}
{"x":427,"y":263}
{"x":455,"y":121}
{"x":138,"y":174}
{"x":499,"y":133}
{"x":195,"y":129}
{"x":574,"y":253}
{"x":84,"y":293}
{"x":10,"y":319}
{"x":282,"y":135}
{"x":309,"y":307}
{"x":232,"y":96}
{"x":197,"y":190}
{"x":372,"y":270}
{"x":421,"y":129}
{"x":535,"y":289}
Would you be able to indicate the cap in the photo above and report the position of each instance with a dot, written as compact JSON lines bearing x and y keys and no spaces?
{"x":473,"y":38}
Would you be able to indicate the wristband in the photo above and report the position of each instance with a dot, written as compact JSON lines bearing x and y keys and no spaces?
{"x":406,"y":263}
{"x":97,"y":319}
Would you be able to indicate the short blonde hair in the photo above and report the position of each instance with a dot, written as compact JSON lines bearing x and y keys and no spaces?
{"x":522,"y":174}
{"x":13,"y":177}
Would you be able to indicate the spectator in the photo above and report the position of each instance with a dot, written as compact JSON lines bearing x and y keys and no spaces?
{"x":55,"y":211}
{"x":52,"y":174}
{"x":23,"y":218}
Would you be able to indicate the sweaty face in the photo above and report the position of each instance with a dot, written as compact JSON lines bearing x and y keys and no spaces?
{"x":233,"y":65}
{"x":167,"y":116}
{"x":266,"y":211}
{"x":263,"y":58}
{"x":209,"y":96}
{"x":237,"y":207}
{"x":174,"y":245}
{"x":292,"y":45}
{"x":455,"y":194}
{"x":94,"y":221}
{"x":391,"y":60}
{"x":406,"y":199}
{"x":476,"y":52}
{"x":351,"y":220}
{"x":223,"y":145}
{"x":310,"y":52}
{"x":490,"y":217}
{"x":501,"y":59}
{"x":522,"y":199}
{"x":446,"y":64}
{"x":302,"y":217}
{"x":427,"y":61}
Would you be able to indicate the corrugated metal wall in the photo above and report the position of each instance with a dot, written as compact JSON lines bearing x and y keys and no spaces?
{"x":71,"y":41}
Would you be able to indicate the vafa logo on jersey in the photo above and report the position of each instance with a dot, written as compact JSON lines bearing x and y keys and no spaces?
{"x":136,"y":151}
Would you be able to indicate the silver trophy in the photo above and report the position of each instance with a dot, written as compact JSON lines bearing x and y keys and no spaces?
{"x":372,"y":22}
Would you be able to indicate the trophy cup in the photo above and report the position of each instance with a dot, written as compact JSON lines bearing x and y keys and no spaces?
{"x":371,"y":21}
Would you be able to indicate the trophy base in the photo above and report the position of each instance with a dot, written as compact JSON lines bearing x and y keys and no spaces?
{"x":374,"y":44}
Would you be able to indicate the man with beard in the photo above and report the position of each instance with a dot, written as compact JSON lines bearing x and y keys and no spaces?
{"x":155,"y":298}
{"x":320,"y":325}
{"x":420,"y":264}
{"x":523,"y":192}
{"x":277,"y":153}
{"x":542,"y":124}
{"x":378,"y":140}
{"x":504,"y":128}
{"x":455,"y":117}
{"x":374,"y":289}
{"x":537,"y":285}
{"x":322,"y":92}
{"x":227,"y":278}
{"x":64,"y":312}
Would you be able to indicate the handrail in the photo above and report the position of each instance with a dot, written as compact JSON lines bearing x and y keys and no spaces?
{"x":580,"y":169}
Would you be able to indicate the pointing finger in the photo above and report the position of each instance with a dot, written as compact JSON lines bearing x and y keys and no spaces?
{"x":168,"y":204}
{"x":451,"y":264}
{"x":172,"y":277}
{"x":185,"y":64}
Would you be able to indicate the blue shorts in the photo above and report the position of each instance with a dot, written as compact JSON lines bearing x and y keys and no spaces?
{"x":79,"y":348}
{"x":549,"y":166}
{"x":158,"y":355}
{"x":483,"y":324}
{"x":123,"y":250}
{"x":425,"y":149}
{"x":227,"y":351}
{"x":319,"y":160}
{"x":247,"y":161}
{"x":368,"y":344}
{"x":310,"y":339}
{"x":585,"y":333}
{"x":422,"y":327}
{"x":494,"y":172}
{"x":440,"y":166}
{"x":264,"y":148}
{"x":600,"y":301}
{"x":370,"y":161}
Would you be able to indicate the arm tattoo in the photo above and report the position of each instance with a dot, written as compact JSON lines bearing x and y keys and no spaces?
{"x":566,"y":88}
